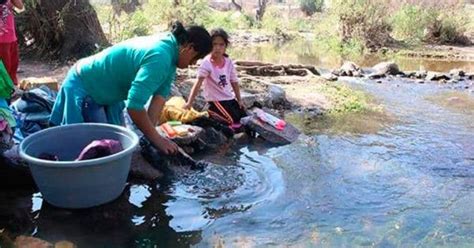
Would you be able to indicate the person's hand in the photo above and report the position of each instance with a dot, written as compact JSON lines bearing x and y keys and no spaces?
{"x":166,"y":146}
{"x":187,"y":106}
{"x":241,"y":104}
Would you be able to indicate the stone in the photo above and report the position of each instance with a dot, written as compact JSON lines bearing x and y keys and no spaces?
{"x":214,"y":138}
{"x":420,"y":74}
{"x":420,"y":81}
{"x":277,"y":95}
{"x":386,"y":68}
{"x":142,"y":169}
{"x":329,"y":77}
{"x":349,"y":69}
{"x":410,"y":74}
{"x":31,"y":242}
{"x":457,"y":72}
{"x":436,"y":76}
{"x":375,"y":75}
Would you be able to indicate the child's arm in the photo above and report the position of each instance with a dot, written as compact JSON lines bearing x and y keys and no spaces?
{"x":18,"y":4}
{"x":194,"y":91}
{"x":234,"y":81}
{"x":236,"y":88}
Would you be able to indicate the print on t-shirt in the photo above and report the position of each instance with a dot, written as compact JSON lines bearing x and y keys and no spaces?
{"x":222,"y":81}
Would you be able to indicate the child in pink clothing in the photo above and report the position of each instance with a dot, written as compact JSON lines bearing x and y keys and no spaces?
{"x":8,"y":40}
{"x":221,"y":88}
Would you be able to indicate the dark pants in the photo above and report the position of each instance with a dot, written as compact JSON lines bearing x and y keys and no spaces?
{"x":228,"y":112}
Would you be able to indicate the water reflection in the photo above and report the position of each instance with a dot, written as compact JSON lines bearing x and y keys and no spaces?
{"x":307,"y":52}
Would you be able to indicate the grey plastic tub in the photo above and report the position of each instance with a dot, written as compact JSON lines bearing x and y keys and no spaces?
{"x":78,"y":184}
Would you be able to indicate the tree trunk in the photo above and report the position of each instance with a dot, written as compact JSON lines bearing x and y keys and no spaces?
{"x":60,"y":29}
{"x":236,"y":6}
{"x":262,"y":5}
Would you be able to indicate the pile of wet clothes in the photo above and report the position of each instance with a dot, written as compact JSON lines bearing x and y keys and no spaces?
{"x":27,"y":114}
{"x":32,"y":111}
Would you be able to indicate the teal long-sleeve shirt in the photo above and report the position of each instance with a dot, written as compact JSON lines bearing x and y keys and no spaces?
{"x":131,"y":71}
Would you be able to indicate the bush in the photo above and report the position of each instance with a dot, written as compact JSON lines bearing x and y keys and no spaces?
{"x":309,"y":7}
{"x":362,"y":20}
{"x":188,"y":11}
{"x":228,"y":20}
{"x":272,"y":20}
{"x":409,"y":23}
{"x":416,"y":23}
{"x":447,"y":28}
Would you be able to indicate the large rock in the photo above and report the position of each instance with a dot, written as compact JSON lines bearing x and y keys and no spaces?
{"x":329,"y":76}
{"x":348,"y":69}
{"x":282,"y":137}
{"x":214,"y":138}
{"x":31,"y":242}
{"x":386,"y":68}
{"x":457,"y":72}
{"x":420,"y":74}
{"x":436,"y":76}
{"x":277,"y":95}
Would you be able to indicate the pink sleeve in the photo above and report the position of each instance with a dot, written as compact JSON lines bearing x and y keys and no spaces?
{"x":233,"y":73}
{"x":204,"y":70}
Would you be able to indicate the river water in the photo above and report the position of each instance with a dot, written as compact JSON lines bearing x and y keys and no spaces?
{"x":405,"y":179}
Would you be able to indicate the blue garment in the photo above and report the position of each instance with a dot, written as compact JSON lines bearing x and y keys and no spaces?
{"x":74,"y":105}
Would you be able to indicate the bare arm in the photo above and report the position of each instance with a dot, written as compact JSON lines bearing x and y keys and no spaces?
{"x":194,"y":91}
{"x":236,"y":88}
{"x":18,"y":4}
{"x":155,"y":109}
{"x":143,"y":122}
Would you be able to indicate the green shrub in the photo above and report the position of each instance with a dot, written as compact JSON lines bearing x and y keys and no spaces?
{"x":272,"y":19}
{"x":410,"y":21}
{"x":416,"y":23}
{"x":448,"y":27}
{"x":309,"y":7}
{"x":364,"y":20}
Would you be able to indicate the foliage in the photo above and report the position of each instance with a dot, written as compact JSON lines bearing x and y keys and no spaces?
{"x":343,"y":99}
{"x":416,"y":23}
{"x":309,"y":7}
{"x":362,"y":20}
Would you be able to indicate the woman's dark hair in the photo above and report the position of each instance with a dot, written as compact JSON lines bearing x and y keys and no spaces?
{"x":197,"y":36}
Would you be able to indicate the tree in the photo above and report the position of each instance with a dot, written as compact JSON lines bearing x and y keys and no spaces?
{"x":262,"y":5}
{"x":60,"y":29}
{"x":309,"y":7}
{"x":237,"y":6}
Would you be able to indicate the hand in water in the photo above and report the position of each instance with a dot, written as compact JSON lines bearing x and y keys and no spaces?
{"x":166,"y":146}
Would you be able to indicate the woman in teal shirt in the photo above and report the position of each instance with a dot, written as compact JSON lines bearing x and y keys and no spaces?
{"x":128,"y":74}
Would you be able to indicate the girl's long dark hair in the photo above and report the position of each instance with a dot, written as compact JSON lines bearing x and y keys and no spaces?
{"x":219,"y":32}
